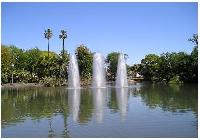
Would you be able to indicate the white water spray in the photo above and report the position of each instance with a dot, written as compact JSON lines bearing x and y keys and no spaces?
{"x":98,"y":75}
{"x":121,"y":72}
{"x":73,"y":73}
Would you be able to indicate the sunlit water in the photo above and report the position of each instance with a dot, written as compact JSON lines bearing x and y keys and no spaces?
{"x":142,"y":110}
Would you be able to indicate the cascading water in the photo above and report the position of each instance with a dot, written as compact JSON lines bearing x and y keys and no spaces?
{"x":121,"y":72}
{"x":73,"y":73}
{"x":98,"y":76}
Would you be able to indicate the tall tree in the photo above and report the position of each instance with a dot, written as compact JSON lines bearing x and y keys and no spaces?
{"x":112,"y":61}
{"x":194,"y":58}
{"x":84,"y":58}
{"x":48,"y":34}
{"x":63,"y":36}
{"x":150,"y":66}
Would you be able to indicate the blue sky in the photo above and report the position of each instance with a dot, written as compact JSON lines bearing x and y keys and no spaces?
{"x":136,"y":29}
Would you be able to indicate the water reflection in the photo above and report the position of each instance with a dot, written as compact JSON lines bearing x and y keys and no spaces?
{"x":74,"y":103}
{"x":174,"y":105}
{"x":173,"y":98}
{"x":122,"y":101}
{"x":86,"y":106}
{"x":99,"y":101}
{"x":51,"y":132}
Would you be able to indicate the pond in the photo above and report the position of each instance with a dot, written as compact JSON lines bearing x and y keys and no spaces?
{"x":142,"y":110}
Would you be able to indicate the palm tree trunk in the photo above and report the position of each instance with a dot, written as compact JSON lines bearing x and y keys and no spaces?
{"x":48,"y":47}
{"x":63,"y":46}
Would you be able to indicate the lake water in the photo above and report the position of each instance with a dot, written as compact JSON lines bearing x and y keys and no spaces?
{"x":142,"y":110}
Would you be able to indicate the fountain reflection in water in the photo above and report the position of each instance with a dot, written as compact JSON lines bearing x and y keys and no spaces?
{"x":74,"y":103}
{"x":98,"y":75}
{"x":99,"y":101}
{"x":122,"y":101}
{"x":73,"y":73}
{"x":121,"y":72}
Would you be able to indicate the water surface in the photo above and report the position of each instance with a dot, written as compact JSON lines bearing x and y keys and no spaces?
{"x":142,"y":110}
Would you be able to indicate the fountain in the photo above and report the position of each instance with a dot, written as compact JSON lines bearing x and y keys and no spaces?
{"x":121,"y":72}
{"x":98,"y":76}
{"x":73,"y":73}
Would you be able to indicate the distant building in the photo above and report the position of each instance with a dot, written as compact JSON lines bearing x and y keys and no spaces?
{"x":138,"y":75}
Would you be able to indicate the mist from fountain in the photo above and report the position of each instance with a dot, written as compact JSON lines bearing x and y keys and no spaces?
{"x":98,"y":75}
{"x":121,"y":72}
{"x":73,"y":73}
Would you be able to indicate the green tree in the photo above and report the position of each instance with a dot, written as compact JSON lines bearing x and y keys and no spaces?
{"x":63,"y":36}
{"x":32,"y":57}
{"x":48,"y":34}
{"x":194,"y":58}
{"x":180,"y":65}
{"x":6,"y":59}
{"x":112,"y":60}
{"x":150,"y":66}
{"x":63,"y":62}
{"x":84,"y":58}
{"x":194,"y":39}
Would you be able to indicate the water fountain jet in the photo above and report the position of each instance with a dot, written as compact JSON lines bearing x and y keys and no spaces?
{"x":98,"y":75}
{"x":121,"y":72}
{"x":73,"y":73}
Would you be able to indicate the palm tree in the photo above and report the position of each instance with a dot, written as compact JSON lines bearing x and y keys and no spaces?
{"x":63,"y":36}
{"x":48,"y":34}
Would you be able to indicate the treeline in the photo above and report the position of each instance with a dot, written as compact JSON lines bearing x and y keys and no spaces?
{"x":170,"y":67}
{"x":36,"y":66}
{"x":50,"y":69}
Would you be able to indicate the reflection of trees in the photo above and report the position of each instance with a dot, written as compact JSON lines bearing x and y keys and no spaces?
{"x":119,"y":101}
{"x":175,"y":98}
{"x":51,"y":132}
{"x":64,"y":109}
{"x":99,"y":95}
{"x":36,"y":103}
{"x":112,"y":103}
{"x":85,"y":112}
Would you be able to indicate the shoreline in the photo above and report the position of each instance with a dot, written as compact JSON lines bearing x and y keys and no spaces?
{"x":21,"y":85}
{"x":24,"y":85}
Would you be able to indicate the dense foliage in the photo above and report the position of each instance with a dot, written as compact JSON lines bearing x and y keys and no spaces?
{"x":112,"y":61}
{"x":32,"y":65}
{"x":172,"y":67}
{"x":50,"y":69}
{"x":84,"y":58}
